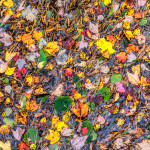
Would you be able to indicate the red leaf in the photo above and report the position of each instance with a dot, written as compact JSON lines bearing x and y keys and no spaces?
{"x":84,"y":130}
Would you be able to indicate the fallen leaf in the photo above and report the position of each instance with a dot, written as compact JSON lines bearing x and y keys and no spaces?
{"x":66,"y":132}
{"x":59,"y":90}
{"x":53,"y":136}
{"x":31,"y":105}
{"x":18,"y":133}
{"x":81,"y":110}
{"x":78,"y":142}
{"x":122,"y":56}
{"x":119,"y":87}
{"x":100,"y":119}
{"x":6,"y":39}
{"x":141,"y":2}
{"x":23,"y":146}
{"x":144,"y":145}
{"x":4,"y":129}
{"x":133,"y":78}
{"x":5,"y":146}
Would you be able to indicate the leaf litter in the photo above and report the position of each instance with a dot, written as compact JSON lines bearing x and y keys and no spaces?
{"x":74,"y":74}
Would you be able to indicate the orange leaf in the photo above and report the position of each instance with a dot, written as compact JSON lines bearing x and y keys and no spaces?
{"x":81,"y":110}
{"x":122,"y":56}
{"x":23,"y":146}
{"x":32,"y":106}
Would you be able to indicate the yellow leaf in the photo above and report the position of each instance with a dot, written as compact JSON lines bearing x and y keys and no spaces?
{"x":5,"y":146}
{"x":29,"y":80}
{"x":4,"y":129}
{"x":43,"y":120}
{"x":82,"y":55}
{"x":52,"y":48}
{"x":61,"y":125}
{"x":8,"y":3}
{"x":136,"y":32}
{"x":53,"y":137}
{"x":107,"y":2}
{"x":10,"y":71}
{"x":1,"y":95}
{"x":77,"y":95}
{"x":128,"y":34}
{"x":32,"y":146}
{"x":66,"y":116}
{"x":120,"y":122}
{"x":105,"y":47}
{"x":9,"y":12}
{"x":49,"y":66}
{"x":37,"y":35}
{"x":126,"y":25}
{"x":55,"y":121}
{"x":70,"y":60}
{"x":9,"y":56}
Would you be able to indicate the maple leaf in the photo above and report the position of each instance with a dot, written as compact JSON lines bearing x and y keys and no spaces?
{"x":81,"y":110}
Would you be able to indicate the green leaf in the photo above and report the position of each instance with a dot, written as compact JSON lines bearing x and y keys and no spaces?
{"x":105,"y":93}
{"x":42,"y":58}
{"x":148,"y":137}
{"x":89,"y":125}
{"x":9,"y":121}
{"x":82,"y":92}
{"x":32,"y":135}
{"x":143,"y":21}
{"x":79,"y":38}
{"x":42,"y":98}
{"x":94,"y":136}
{"x":110,"y":26}
{"x":78,"y":85}
{"x":5,"y":80}
{"x":48,"y":13}
{"x":102,"y":4}
{"x":75,"y":78}
{"x":123,"y":13}
{"x":89,"y":139}
{"x":62,"y":103}
{"x":100,"y":58}
{"x":111,"y":11}
{"x":88,"y":103}
{"x":8,"y":111}
{"x":116,"y":78}
{"x":93,"y":106}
